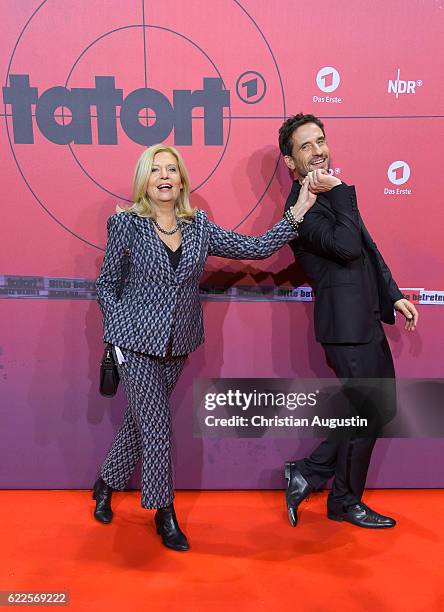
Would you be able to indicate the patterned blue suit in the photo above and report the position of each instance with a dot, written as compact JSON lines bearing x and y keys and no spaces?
{"x":156,"y":323}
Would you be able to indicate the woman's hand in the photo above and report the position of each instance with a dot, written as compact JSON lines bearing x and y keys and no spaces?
{"x":305,"y":201}
{"x":321,"y":181}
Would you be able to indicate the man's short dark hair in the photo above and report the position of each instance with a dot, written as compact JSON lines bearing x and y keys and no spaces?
{"x":290,"y":125}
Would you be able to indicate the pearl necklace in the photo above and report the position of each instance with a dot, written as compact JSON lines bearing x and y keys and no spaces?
{"x":167,"y":232}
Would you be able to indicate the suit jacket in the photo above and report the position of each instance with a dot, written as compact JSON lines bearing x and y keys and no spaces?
{"x":334,"y":247}
{"x":158,"y":304}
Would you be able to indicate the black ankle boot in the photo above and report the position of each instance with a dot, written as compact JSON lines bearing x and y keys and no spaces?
{"x":169,"y":530}
{"x":102,"y":494}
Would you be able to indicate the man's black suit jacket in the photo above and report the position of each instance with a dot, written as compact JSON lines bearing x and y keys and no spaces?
{"x":334,"y":247}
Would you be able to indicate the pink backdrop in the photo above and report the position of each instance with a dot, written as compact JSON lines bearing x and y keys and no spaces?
{"x":383,"y":104}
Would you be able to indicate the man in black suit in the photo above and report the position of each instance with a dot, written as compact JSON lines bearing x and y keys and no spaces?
{"x":354,"y":292}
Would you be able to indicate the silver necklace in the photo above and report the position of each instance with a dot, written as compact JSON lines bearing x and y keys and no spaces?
{"x":167,"y":232}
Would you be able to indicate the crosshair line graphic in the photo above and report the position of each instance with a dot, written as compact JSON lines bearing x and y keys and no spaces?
{"x":280,"y":117}
{"x":145,"y":67}
{"x":25,"y":180}
{"x":65,"y":116}
{"x":161,"y":28}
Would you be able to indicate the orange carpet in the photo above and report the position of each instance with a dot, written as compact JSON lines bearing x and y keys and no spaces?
{"x":244,"y":555}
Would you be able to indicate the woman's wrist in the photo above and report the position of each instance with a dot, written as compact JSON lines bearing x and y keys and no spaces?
{"x":294,"y":217}
{"x":298,"y":211}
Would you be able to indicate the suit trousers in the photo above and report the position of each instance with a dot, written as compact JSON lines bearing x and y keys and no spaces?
{"x":346,"y":456}
{"x":146,"y":430}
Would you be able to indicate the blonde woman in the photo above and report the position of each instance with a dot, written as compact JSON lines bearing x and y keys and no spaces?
{"x":157,"y":321}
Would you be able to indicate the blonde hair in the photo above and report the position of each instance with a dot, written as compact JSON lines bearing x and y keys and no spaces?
{"x":142,"y":205}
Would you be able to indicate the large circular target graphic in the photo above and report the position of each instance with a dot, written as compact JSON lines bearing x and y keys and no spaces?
{"x":214,"y":82}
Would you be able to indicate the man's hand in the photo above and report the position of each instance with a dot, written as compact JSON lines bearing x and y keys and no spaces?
{"x":305,"y":201}
{"x":321,"y":181}
{"x":409,"y":311}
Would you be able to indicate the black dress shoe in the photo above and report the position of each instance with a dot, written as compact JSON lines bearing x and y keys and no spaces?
{"x":102,"y":494}
{"x":169,"y":530}
{"x":298,"y":489}
{"x":362,"y":516}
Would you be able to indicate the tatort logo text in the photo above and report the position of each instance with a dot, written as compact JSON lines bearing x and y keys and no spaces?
{"x":76,"y":103}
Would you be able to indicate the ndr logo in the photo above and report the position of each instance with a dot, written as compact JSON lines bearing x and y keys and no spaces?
{"x":398,"y":86}
{"x":76,"y":103}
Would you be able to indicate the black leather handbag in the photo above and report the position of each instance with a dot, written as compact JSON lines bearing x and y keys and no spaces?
{"x":109,"y":374}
